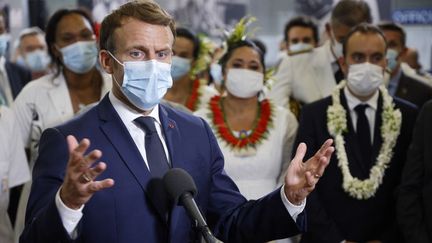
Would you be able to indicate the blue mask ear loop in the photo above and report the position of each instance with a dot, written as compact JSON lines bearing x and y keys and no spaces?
{"x":115,"y":79}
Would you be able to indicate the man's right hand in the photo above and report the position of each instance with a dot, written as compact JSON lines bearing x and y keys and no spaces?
{"x":79,"y":184}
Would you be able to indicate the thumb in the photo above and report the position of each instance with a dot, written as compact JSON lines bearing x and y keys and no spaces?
{"x":72,"y":142}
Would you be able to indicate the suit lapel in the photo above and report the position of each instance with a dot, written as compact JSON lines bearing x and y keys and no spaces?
{"x":352,"y":147}
{"x":118,"y":135}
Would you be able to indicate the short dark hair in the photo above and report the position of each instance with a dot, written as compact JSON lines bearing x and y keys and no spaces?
{"x":391,"y":26}
{"x":363,"y":28}
{"x":188,"y":34}
{"x":302,"y":21}
{"x":146,"y":11}
{"x":242,"y":43}
{"x":51,"y":29}
{"x":351,"y":13}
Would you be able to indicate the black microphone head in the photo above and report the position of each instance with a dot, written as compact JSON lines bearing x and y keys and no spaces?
{"x":177,"y":182}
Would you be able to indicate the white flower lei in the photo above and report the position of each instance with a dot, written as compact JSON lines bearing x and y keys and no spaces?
{"x":390,"y":128}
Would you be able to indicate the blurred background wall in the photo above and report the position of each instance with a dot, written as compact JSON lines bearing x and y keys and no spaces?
{"x":213,"y":16}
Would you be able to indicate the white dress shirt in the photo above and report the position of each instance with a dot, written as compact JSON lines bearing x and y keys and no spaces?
{"x":71,"y":217}
{"x":370,"y":110}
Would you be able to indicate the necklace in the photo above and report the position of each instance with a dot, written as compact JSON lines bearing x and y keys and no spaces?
{"x":390,"y":129}
{"x":193,"y":100}
{"x":246,"y":142}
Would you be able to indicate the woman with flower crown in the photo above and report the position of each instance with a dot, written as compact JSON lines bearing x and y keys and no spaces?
{"x":255,"y":136}
{"x":355,"y":199}
{"x":191,"y":57}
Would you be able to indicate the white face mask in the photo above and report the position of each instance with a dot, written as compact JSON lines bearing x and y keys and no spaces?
{"x":299,"y":47}
{"x":364,"y":78}
{"x":244,"y":83}
{"x":336,"y":47}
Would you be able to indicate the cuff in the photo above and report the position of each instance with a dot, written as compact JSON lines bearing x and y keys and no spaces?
{"x":69,"y":217}
{"x":293,"y":210}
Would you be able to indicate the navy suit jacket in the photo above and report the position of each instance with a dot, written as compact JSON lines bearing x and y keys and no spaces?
{"x":413,"y":90}
{"x":415,"y":194}
{"x":333,"y":215}
{"x":127,"y":212}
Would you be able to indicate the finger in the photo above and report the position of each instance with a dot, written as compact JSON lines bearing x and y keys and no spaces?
{"x":96,"y":186}
{"x":300,"y":153}
{"x":94,"y":172}
{"x":323,"y":162}
{"x":85,"y":162}
{"x":77,"y":153}
{"x":72,"y":143}
{"x":311,"y":180}
{"x":324,"y":147}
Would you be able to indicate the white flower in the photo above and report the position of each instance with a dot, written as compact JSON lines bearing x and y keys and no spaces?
{"x":390,"y":129}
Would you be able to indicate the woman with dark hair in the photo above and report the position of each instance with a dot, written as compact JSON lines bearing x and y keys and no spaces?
{"x":188,"y":88}
{"x":75,"y":84}
{"x":255,"y":136}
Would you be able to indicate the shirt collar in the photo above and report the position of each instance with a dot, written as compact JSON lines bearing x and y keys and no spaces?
{"x":353,"y":101}
{"x":127,"y":114}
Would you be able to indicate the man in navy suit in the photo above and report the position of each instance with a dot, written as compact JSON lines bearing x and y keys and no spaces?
{"x":355,"y":199}
{"x":77,"y":198}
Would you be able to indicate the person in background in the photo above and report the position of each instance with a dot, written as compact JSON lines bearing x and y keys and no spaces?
{"x":301,"y":35}
{"x":74,"y":84}
{"x":188,"y":89}
{"x":77,"y":198}
{"x":405,"y":85}
{"x":12,"y":76}
{"x":14,"y":169}
{"x":414,"y":205}
{"x":355,"y":199}
{"x":32,"y":53}
{"x":255,"y":136}
{"x":312,"y":76}
{"x":411,"y":58}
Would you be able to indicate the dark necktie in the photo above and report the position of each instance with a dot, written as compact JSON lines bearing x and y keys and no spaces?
{"x":156,"y":157}
{"x":363,"y":133}
{"x":339,"y":76}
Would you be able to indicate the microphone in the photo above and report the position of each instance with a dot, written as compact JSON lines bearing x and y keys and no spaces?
{"x":181,"y":188}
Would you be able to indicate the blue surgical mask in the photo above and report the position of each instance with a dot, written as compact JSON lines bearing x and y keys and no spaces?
{"x":216,"y":73}
{"x":80,"y":57}
{"x":392,"y":62}
{"x":37,"y":60}
{"x":180,"y":66}
{"x":145,"y":82}
{"x":4,"y":40}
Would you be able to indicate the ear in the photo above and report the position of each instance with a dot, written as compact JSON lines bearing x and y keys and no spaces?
{"x":105,"y":61}
{"x":402,"y":53}
{"x":343,"y":65}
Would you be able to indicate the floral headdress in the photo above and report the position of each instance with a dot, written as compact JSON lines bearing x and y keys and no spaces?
{"x":204,"y":56}
{"x":240,"y":33}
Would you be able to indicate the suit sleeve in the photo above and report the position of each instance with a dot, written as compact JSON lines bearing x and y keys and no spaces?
{"x":43,"y":222}
{"x":233,"y":219}
{"x":320,"y":225}
{"x":410,"y":209}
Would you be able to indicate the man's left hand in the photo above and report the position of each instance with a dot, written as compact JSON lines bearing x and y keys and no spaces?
{"x":301,"y":177}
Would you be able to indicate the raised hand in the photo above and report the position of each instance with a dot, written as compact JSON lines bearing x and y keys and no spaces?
{"x":79,"y":184}
{"x":301,"y":177}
